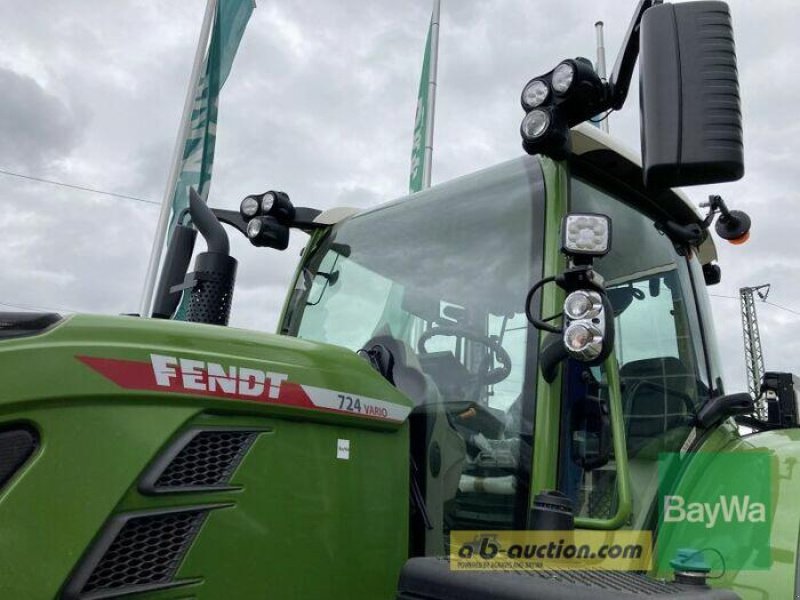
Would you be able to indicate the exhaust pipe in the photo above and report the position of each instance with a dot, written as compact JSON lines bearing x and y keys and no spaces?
{"x":214,"y":270}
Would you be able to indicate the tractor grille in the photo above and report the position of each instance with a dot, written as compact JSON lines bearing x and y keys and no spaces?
{"x":137,"y":552}
{"x":16,"y":446}
{"x":198,"y":460}
{"x":147,"y":551}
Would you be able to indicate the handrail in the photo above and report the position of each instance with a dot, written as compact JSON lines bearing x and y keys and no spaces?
{"x":625,"y":503}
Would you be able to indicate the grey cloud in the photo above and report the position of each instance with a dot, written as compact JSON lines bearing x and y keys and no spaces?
{"x":320,"y":103}
{"x":36,"y":127}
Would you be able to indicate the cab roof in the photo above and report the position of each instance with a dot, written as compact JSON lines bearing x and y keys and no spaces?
{"x":603,"y":158}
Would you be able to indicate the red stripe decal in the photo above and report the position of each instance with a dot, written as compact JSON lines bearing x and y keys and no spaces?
{"x":183,"y":376}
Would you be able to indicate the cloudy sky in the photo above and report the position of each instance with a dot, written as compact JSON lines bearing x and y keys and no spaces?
{"x":320,"y":103}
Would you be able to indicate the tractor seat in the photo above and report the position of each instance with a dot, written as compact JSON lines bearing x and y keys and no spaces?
{"x":405,"y":372}
{"x":657,"y":401}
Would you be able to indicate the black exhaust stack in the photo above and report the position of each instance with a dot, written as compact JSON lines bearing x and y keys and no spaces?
{"x":214,"y":271}
{"x":211,"y":284}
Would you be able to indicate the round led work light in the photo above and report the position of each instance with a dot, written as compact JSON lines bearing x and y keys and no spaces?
{"x":535,"y":124}
{"x":267,"y":202}
{"x":583,"y":305}
{"x":583,"y":340}
{"x":249,"y":207}
{"x":254,"y":229}
{"x":563,"y":75}
{"x":534,"y":94}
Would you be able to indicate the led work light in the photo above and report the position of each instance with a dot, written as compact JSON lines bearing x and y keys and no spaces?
{"x":583,"y":304}
{"x":585,"y":235}
{"x":563,"y":75}
{"x":249,"y":207}
{"x":267,"y":231}
{"x":583,"y":341}
{"x":535,"y":124}
{"x":535,"y":93}
{"x":558,"y":100}
{"x":273,"y":204}
{"x":585,"y":325}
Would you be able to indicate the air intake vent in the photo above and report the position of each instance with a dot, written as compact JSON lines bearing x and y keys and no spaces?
{"x":136,"y":553}
{"x":147,"y":551}
{"x":21,"y":324}
{"x":16,"y":446}
{"x":200,"y":460}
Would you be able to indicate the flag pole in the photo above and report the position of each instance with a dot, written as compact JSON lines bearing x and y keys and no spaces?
{"x":145,"y":306}
{"x":601,"y":64}
{"x":432,"y":76}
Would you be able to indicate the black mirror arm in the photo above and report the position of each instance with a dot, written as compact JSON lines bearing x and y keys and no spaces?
{"x":718,"y":409}
{"x":303,"y":219}
{"x":620,"y":81}
{"x":232,"y":218}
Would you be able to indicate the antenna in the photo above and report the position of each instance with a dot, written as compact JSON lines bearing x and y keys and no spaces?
{"x":601,"y":67}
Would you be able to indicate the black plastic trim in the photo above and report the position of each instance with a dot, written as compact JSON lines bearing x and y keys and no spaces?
{"x":22,"y":460}
{"x":615,"y":173}
{"x":530,"y":390}
{"x":80,"y":576}
{"x":24,"y":324}
{"x":148,"y":480}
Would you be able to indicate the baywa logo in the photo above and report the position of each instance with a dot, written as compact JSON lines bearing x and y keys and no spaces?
{"x":711,"y":502}
{"x":728,"y":508}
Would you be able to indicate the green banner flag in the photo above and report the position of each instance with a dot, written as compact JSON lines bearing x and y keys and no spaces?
{"x":230,"y":21}
{"x":417,"y":178}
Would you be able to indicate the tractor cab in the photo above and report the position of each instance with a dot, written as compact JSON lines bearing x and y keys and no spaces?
{"x":432,"y":290}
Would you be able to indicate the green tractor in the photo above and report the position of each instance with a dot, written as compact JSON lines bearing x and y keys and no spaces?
{"x":517,"y":349}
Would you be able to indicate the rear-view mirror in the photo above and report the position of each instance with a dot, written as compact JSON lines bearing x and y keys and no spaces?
{"x":689,"y":92}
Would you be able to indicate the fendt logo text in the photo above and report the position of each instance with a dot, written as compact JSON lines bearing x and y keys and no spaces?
{"x":731,"y":509}
{"x":188,"y":374}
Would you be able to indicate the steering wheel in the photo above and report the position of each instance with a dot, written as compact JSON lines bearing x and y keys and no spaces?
{"x":489,"y":376}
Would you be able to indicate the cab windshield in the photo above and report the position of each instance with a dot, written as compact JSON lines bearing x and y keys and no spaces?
{"x":429,"y":279}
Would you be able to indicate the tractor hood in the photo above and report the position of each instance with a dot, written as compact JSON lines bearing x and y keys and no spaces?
{"x":46,"y":359}
{"x":127,"y":443}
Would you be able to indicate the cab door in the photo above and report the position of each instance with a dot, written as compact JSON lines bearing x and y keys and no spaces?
{"x":661,"y":360}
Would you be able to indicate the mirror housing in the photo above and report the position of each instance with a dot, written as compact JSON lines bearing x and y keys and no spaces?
{"x":691,"y":120}
{"x":720,"y":408}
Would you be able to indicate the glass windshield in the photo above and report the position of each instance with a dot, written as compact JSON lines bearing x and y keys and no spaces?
{"x":439,"y":280}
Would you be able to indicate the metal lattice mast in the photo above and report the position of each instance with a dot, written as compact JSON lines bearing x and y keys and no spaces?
{"x":753,"y":356}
